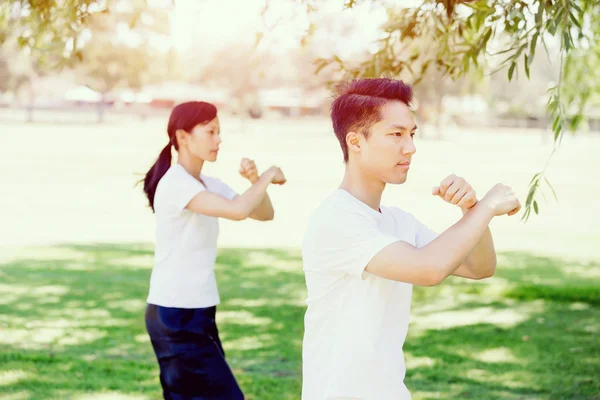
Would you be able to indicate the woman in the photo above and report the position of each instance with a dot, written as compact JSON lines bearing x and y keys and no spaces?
{"x":180,"y":316}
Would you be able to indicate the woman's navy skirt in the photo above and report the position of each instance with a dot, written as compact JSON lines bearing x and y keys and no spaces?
{"x":190,"y":356}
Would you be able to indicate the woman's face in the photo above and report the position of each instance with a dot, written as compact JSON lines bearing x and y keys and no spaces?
{"x":203,"y":141}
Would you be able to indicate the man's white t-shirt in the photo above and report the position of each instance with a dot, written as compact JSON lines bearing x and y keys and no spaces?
{"x":186,"y":242}
{"x":356,"y":322}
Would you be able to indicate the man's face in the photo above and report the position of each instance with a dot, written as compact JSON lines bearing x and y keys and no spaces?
{"x":387,"y":152}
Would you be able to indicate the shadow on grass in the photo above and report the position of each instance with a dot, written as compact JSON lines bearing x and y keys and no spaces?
{"x":541,"y":341}
{"x":553,"y":354}
{"x":72,"y":322}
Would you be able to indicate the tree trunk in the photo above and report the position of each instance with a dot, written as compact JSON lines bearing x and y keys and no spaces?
{"x":101,"y":108}
{"x":31,"y":104}
{"x":438,"y":117}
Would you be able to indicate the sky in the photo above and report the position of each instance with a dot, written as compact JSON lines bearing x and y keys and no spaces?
{"x":213,"y":23}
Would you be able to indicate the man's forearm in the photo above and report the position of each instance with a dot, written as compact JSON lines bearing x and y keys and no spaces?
{"x":449,"y":250}
{"x":481,"y":261}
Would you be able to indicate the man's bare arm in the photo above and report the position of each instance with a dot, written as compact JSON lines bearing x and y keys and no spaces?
{"x":481,"y":261}
{"x":432,"y":263}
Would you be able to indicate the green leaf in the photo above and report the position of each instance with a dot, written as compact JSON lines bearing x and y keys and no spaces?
{"x":526,"y":63}
{"x":556,"y":123}
{"x":559,"y":14}
{"x":511,"y":70}
{"x":533,"y":45}
{"x":558,"y":131}
{"x":546,"y":48}
{"x":574,"y":20}
{"x":567,"y":40}
{"x":539,"y":16}
{"x":535,"y":207}
{"x":525,"y":216}
{"x":474,"y":58}
{"x":532,"y":189}
{"x":478,"y":22}
{"x":530,"y":196}
{"x":486,"y":36}
{"x":534,"y":178}
{"x":554,"y":22}
{"x":480,"y":6}
{"x":551,"y":188}
{"x":469,"y":23}
{"x":504,"y":51}
{"x":575,"y":122}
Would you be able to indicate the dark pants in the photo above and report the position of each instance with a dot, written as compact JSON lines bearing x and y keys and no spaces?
{"x":190,"y":356}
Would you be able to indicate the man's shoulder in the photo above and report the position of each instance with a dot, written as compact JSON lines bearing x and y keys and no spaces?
{"x":404,"y":220}
{"x":336,"y":206}
{"x":399,"y":213}
{"x":336,"y":219}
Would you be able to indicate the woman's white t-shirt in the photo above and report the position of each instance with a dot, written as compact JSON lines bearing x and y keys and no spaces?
{"x":186,"y":242}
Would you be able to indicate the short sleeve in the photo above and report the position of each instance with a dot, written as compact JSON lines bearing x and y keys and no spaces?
{"x":182,"y":187}
{"x":423,"y":235}
{"x":343,"y":242}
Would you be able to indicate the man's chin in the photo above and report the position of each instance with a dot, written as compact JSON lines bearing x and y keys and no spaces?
{"x":398,"y":180}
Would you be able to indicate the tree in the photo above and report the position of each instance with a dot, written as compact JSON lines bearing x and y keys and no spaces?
{"x":106,"y":66}
{"x":17,"y":74}
{"x":464,"y":35}
{"x":83,"y":34}
{"x":50,"y":29}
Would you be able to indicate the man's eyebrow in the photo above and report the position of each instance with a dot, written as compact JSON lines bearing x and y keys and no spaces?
{"x":403,"y":127}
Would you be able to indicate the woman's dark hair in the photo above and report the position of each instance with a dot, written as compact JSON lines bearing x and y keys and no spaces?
{"x":183,"y":116}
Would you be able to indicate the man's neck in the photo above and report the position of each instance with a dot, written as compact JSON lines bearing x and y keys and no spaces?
{"x":364,"y":188}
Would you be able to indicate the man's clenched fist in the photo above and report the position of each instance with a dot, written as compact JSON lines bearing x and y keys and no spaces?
{"x":455,"y":190}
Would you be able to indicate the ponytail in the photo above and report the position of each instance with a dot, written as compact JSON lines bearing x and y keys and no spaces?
{"x":158,"y":170}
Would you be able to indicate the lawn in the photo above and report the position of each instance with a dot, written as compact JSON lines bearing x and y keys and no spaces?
{"x":72,"y":327}
{"x":72,"y":315}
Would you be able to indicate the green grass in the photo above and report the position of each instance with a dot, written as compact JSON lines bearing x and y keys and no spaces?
{"x":72,"y":327}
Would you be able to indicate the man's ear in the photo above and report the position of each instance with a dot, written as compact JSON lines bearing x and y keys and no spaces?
{"x":353,"y":142}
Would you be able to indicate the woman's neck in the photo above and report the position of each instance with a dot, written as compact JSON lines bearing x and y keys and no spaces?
{"x":193,"y":165}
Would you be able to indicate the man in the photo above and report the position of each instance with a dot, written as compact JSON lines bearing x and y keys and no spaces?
{"x":361,"y":258}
